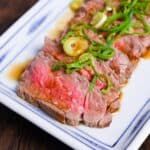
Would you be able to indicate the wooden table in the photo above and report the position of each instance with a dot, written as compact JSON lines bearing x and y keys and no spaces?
{"x":15,"y":132}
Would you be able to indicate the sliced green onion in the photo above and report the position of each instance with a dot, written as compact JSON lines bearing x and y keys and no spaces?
{"x":100,"y":51}
{"x":111,"y":19}
{"x":93,"y":83}
{"x":76,"y":4}
{"x":123,"y":27}
{"x":57,"y":66}
{"x":83,"y":61}
{"x":144,"y":22}
{"x":75,"y":46}
{"x":78,"y":30}
{"x":99,"y":19}
{"x":108,"y":8}
{"x":103,"y":78}
{"x":109,"y":86}
{"x":147,"y":10}
{"x":105,"y":53}
{"x":68,"y":35}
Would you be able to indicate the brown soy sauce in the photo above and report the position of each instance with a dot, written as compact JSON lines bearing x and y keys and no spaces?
{"x":17,"y":69}
{"x":147,"y":54}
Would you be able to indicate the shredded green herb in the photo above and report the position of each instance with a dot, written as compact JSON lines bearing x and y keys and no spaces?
{"x":109,"y":86}
{"x":76,"y":4}
{"x":78,"y":30}
{"x":93,"y":82}
{"x":83,"y":61}
{"x":100,"y":51}
{"x":58,"y":66}
{"x":128,"y":10}
{"x":104,"y":79}
{"x":146,"y":26}
{"x":124,"y":19}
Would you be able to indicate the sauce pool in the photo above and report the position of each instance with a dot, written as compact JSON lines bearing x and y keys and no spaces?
{"x":17,"y":69}
{"x":147,"y":55}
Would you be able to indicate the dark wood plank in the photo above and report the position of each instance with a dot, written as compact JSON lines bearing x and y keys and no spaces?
{"x":15,"y":132}
{"x":11,"y":10}
{"x":18,"y":134}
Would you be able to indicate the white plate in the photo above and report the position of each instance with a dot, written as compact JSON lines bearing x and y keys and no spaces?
{"x":130,"y":126}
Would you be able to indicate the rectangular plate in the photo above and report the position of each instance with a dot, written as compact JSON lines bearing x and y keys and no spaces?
{"x":130,"y":126}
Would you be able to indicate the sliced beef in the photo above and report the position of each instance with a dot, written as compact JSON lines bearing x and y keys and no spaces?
{"x":35,"y":80}
{"x":87,"y":73}
{"x":112,"y":96}
{"x":95,"y":108}
{"x":64,"y":92}
{"x":145,"y":40}
{"x":86,"y":12}
{"x":133,"y":46}
{"x":64,"y":96}
{"x":115,"y":4}
{"x":53,"y":48}
{"x":114,"y":106}
{"x":92,"y":6}
{"x":104,"y":68}
{"x":67,"y":96}
{"x":114,"y":93}
{"x":122,"y":66}
{"x":92,"y":35}
{"x":106,"y":120}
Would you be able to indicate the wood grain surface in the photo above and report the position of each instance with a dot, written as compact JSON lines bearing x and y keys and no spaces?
{"x":15,"y":132}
